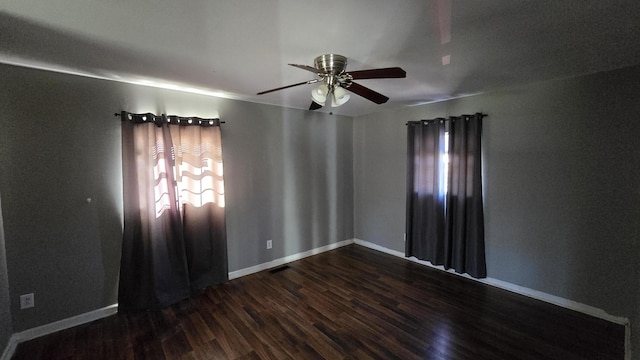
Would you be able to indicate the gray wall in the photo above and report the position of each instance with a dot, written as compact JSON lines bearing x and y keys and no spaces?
{"x":58,"y":147}
{"x":6,"y":328}
{"x":288,"y":176}
{"x":560,"y":200}
{"x":561,"y":170}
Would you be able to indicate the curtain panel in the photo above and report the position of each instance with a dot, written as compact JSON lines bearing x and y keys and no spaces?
{"x":445,"y":220}
{"x":174,"y":239}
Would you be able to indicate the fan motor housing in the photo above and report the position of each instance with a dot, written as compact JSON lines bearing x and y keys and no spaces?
{"x":331,"y":64}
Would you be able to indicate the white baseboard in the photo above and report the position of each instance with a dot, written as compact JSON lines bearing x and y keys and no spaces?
{"x":539,"y":295}
{"x":287,"y":259}
{"x":66,"y":323}
{"x":535,"y":294}
{"x":10,"y":349}
{"x":56,"y":326}
{"x":377,"y":247}
{"x":112,"y":309}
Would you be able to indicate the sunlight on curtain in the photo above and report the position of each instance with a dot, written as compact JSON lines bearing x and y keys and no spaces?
{"x":198,"y":159}
{"x":443,"y":187}
{"x":424,"y":182}
{"x":174,"y":237}
{"x":428,"y":164}
{"x":196,"y":156}
{"x":151,"y":142}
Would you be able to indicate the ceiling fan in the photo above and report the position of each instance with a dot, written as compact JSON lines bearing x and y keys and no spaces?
{"x":333,"y":77}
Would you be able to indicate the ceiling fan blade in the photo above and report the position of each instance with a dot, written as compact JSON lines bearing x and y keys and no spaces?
{"x":314,"y":106}
{"x":367,"y":93}
{"x":288,"y":86}
{"x":382,"y":73}
{"x":306,"y":67}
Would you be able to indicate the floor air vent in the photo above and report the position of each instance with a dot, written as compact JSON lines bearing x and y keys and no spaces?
{"x":278,"y":269}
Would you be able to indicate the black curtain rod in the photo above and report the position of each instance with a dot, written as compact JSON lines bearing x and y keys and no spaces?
{"x":221,"y":122}
{"x":483,"y":115}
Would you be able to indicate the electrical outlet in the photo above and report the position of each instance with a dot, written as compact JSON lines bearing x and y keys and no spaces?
{"x":26,"y":301}
{"x":269,"y":244}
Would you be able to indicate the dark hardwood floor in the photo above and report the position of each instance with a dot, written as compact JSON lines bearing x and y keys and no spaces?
{"x":349,"y":303}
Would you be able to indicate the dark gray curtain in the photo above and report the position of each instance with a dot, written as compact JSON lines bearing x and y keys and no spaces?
{"x":174,"y":239}
{"x":445,"y":221}
{"x":426,"y":198}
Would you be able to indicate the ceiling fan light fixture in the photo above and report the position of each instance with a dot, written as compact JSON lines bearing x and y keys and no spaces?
{"x":319,"y":94}
{"x":333,"y":78}
{"x":340,"y":96}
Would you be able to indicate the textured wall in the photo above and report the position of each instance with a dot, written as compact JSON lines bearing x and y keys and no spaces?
{"x":561,"y":170}
{"x":288,"y":178}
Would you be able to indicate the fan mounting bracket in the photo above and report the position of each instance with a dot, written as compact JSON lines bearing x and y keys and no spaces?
{"x":331,"y":64}
{"x":345,"y":80}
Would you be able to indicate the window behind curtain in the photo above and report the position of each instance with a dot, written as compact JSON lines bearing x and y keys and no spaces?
{"x":445,"y":222}
{"x":174,"y":239}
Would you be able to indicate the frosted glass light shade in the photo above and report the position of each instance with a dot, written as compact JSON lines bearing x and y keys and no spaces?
{"x":340,"y":96}
{"x":319,"y":94}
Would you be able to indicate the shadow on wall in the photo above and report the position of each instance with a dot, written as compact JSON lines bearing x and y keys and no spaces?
{"x":60,"y":246}
{"x":563,"y":188}
{"x":288,"y":179}
{"x":606,"y":165}
{"x":312,"y":183}
{"x":26,"y":42}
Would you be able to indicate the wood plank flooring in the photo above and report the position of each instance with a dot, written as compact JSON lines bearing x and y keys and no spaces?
{"x":349,"y":303}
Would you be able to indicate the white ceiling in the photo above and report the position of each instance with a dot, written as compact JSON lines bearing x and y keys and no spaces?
{"x":238,"y":48}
